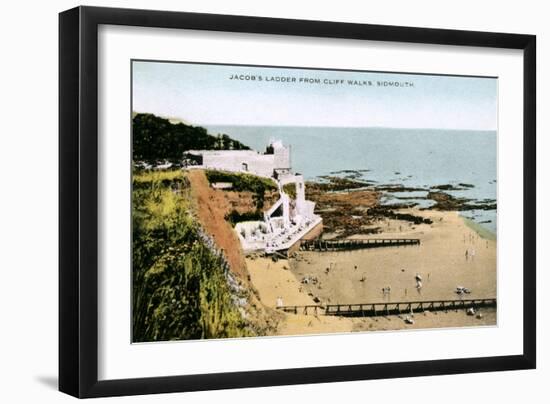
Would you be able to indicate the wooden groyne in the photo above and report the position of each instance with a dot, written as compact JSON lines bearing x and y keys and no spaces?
{"x":356,"y":244}
{"x":386,"y":309}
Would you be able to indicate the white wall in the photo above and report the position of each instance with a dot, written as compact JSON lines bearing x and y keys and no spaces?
{"x":261,"y":164}
{"x":28,"y":166}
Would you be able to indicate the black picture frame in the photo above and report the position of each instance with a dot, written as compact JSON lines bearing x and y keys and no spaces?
{"x":78,"y":200}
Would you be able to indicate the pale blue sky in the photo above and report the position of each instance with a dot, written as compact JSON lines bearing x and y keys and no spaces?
{"x":205,"y":95}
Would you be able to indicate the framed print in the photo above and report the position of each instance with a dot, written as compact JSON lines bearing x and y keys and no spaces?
{"x":250,"y":201}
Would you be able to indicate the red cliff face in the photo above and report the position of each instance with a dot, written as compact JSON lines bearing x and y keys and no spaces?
{"x":212,"y":206}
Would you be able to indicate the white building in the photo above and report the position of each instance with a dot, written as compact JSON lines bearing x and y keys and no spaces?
{"x":288,"y":220}
{"x":275,"y":158}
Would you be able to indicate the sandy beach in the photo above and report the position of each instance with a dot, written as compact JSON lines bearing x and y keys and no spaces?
{"x":303,"y":325}
{"x":359,"y":276}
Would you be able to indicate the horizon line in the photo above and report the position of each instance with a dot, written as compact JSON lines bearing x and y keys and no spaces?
{"x":349,"y":127}
{"x":188,"y":122}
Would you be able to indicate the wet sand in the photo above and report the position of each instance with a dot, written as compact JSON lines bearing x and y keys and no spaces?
{"x":359,"y":276}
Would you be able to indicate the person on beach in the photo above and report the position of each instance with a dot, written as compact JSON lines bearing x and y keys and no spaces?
{"x":279,"y":301}
{"x":466,"y":254}
{"x":473,"y":253}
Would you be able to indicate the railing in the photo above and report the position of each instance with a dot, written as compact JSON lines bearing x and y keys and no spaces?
{"x":386,"y":309}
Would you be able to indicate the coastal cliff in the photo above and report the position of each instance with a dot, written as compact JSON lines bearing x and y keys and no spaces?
{"x":189,"y":277}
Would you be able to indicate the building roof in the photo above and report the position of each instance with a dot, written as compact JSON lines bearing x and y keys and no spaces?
{"x":275,"y":144}
{"x":223,"y":152}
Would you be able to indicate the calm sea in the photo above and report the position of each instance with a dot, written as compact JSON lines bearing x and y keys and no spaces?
{"x":412,"y":157}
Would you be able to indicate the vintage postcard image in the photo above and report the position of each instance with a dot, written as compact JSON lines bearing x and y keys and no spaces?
{"x":272,"y":201}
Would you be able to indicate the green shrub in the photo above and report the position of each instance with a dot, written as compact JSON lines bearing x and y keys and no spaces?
{"x":235,"y":217}
{"x":290,"y":190}
{"x":180,"y":286}
{"x":244,"y":183}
